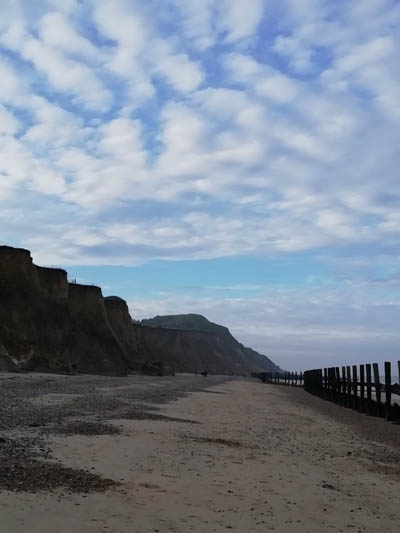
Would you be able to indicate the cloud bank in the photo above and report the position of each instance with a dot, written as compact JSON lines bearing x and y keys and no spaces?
{"x":133,"y":131}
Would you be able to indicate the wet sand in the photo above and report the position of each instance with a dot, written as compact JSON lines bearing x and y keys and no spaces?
{"x":241,"y":456}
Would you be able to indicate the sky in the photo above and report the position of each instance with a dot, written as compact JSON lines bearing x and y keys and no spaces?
{"x":234,"y":158}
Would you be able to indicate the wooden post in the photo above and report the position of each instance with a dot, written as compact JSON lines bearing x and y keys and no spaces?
{"x":344,"y":385}
{"x":348,"y":383}
{"x":334,"y":391}
{"x":337,"y":382}
{"x":330,"y":382}
{"x":377,"y":381}
{"x":362,"y":386}
{"x":369,"y":388}
{"x":388,"y":390}
{"x":295,"y":379}
{"x":355,"y":387}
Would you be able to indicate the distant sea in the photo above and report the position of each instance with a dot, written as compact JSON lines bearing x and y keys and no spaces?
{"x":395,"y":379}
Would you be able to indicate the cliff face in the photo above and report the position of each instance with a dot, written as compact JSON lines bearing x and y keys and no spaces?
{"x":213,"y":345}
{"x":53,"y":282}
{"x":47,"y":323}
{"x":93,"y":345}
{"x":135,"y":351}
{"x":32,"y":322}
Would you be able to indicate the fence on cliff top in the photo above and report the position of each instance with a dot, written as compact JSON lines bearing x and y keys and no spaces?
{"x":358,"y":387}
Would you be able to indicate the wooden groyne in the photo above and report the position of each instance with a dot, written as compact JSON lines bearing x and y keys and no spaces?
{"x":294,"y":379}
{"x":359,"y":387}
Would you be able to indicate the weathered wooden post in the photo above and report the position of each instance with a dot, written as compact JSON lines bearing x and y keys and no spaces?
{"x":377,"y":381}
{"x":334,"y":389}
{"x":369,"y":388}
{"x":388,"y":390}
{"x":344,"y":385}
{"x":306,"y":383}
{"x":348,"y":382}
{"x":355,"y":387}
{"x":337,"y":384}
{"x":330,"y":384}
{"x":295,"y":379}
{"x":362,"y":387}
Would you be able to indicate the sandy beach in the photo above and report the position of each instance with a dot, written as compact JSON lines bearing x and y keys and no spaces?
{"x":198,"y":455}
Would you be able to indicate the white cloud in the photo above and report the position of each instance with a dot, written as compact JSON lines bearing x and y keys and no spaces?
{"x":111,"y":105}
{"x":53,"y":126}
{"x":56,"y":31}
{"x":266,"y":81}
{"x":12,"y":88}
{"x":364,"y":54}
{"x":66,"y":74}
{"x":277,"y":87}
{"x":9,"y":125}
{"x":198,"y":21}
{"x":239,"y":19}
{"x":183,"y":74}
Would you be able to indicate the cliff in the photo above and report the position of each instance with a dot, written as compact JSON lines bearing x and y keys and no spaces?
{"x":214,"y":346}
{"x":47,"y":323}
{"x":94,"y":347}
{"x":136,"y":352}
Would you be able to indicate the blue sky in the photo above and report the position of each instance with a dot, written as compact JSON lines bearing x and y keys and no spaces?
{"x":236,"y":158}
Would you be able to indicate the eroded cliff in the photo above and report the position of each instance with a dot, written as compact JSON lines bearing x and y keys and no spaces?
{"x":47,"y":323}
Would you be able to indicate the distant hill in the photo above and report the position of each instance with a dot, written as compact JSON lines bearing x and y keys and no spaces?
{"x":234,"y":352}
{"x":189,"y":321}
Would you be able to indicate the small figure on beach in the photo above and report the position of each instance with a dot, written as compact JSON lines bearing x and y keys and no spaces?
{"x":204,"y":373}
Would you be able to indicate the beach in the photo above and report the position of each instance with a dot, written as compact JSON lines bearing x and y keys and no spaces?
{"x":192,"y":454}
